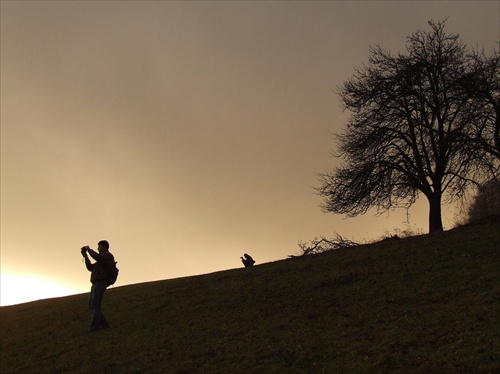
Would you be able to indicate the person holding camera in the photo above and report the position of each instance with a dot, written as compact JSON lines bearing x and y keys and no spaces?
{"x":247,"y":260}
{"x":100,"y":275}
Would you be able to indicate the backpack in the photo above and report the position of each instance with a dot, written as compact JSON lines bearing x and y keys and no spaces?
{"x":113,"y":274}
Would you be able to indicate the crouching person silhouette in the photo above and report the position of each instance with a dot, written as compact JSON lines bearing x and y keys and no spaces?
{"x":247,"y":260}
{"x":100,"y":277}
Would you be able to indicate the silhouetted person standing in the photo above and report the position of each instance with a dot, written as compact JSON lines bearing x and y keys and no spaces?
{"x":247,"y":260}
{"x":101,"y":273}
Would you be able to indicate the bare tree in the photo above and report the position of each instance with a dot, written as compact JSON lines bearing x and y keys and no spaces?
{"x":404,"y":136}
{"x":483,"y":84}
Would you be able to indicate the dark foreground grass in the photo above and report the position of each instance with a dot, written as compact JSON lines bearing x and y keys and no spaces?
{"x":428,"y":304}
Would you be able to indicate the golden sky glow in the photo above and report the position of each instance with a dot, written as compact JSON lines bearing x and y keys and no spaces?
{"x":185,"y":133}
{"x":17,"y":289}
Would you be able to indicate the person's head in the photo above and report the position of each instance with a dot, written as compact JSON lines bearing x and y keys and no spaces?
{"x":103,"y":246}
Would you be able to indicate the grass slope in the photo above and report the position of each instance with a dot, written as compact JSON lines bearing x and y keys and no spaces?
{"x":428,"y":304}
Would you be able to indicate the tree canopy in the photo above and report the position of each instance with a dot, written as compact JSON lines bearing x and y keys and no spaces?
{"x":410,"y":131}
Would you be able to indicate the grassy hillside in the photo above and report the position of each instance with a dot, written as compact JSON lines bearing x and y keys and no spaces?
{"x":428,"y":304}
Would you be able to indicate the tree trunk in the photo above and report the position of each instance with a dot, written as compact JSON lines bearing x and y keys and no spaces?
{"x":435,"y":221}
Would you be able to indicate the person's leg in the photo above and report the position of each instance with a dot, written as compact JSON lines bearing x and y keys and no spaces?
{"x":95,"y":302}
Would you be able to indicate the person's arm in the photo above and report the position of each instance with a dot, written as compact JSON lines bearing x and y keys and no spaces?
{"x":104,"y":257}
{"x":88,"y":264}
{"x":95,"y":255}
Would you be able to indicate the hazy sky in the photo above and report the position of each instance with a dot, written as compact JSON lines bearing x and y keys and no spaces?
{"x":185,"y":133}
